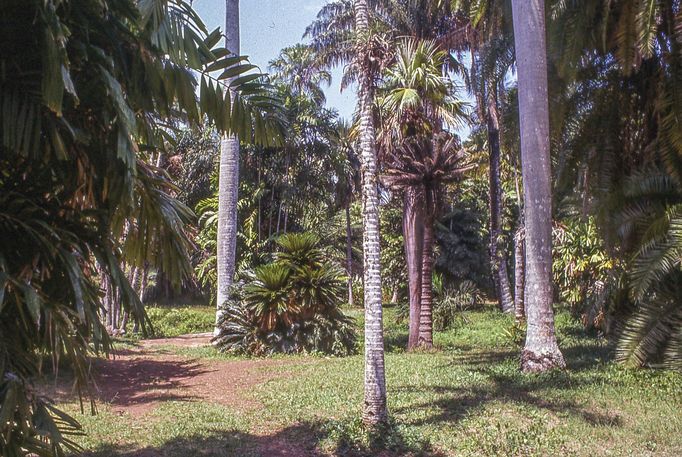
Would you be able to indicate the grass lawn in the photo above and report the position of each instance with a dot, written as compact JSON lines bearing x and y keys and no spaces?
{"x":467,"y":398}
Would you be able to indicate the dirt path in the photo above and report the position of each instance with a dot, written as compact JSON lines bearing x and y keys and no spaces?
{"x":135,"y":381}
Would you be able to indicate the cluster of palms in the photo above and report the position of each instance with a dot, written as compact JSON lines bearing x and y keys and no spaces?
{"x":416,"y":110}
{"x":91,"y":101}
{"x":91,"y":93}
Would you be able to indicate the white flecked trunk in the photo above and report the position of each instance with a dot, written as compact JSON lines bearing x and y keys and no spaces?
{"x":228,"y":184}
{"x":374,"y":410}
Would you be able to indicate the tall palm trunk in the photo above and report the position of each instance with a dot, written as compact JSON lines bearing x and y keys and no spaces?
{"x":541,"y":351}
{"x":519,"y":274}
{"x":349,"y":254}
{"x":413,"y":234}
{"x":497,"y":254}
{"x":426,"y":309}
{"x":374,"y":411}
{"x":228,"y":184}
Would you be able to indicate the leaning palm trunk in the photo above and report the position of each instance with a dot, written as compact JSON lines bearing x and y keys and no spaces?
{"x":228,"y":184}
{"x":426,"y":310}
{"x":497,"y":253}
{"x":541,"y":351}
{"x":374,"y":411}
{"x":413,"y":234}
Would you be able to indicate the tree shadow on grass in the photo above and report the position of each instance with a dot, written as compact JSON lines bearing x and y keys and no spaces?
{"x":302,"y":440}
{"x":534,"y":391}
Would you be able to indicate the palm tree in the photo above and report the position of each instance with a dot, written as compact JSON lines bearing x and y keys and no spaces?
{"x":375,"y":411}
{"x":299,"y":67}
{"x":418,"y":102}
{"x":424,"y":164}
{"x":228,"y":183}
{"x":541,"y":351}
{"x":488,"y":40}
{"x":75,"y":207}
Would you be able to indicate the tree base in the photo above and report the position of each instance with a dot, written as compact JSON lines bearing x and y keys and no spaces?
{"x":533,"y":362}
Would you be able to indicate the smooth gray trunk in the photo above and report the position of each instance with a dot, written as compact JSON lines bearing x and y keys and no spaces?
{"x":541,"y":351}
{"x":497,"y":253}
{"x":413,"y":234}
{"x":228,"y":184}
{"x":374,"y":411}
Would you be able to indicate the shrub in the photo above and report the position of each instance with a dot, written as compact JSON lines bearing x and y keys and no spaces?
{"x":450,"y":302}
{"x":170,"y":322}
{"x":290,"y":305}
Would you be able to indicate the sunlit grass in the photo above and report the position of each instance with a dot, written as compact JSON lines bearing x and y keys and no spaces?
{"x":466,"y":398}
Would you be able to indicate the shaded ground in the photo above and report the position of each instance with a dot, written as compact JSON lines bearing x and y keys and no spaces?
{"x":134,"y":382}
{"x":175,"y":398}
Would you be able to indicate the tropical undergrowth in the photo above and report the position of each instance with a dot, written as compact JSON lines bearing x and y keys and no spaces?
{"x":290,"y":305}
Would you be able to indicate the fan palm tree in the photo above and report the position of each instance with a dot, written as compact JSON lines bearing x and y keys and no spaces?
{"x":375,"y":411}
{"x":541,"y":351}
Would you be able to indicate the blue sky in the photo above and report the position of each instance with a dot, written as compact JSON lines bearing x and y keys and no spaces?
{"x":267,"y":26}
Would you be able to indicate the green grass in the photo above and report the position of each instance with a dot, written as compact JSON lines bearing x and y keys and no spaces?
{"x":170,"y":321}
{"x":467,"y":398}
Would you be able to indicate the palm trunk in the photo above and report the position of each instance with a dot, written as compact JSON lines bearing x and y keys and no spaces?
{"x":374,"y":411}
{"x":519,"y":274}
{"x":228,"y":185}
{"x":413,"y":234}
{"x":349,"y":255}
{"x":426,"y":310}
{"x":497,"y":253}
{"x":142,"y":290}
{"x":541,"y":351}
{"x":270,"y":211}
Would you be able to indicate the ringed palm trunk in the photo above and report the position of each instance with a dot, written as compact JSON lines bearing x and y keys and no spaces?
{"x":413,"y":234}
{"x":349,"y":255}
{"x":228,"y":184}
{"x":374,"y":410}
{"x":497,"y":255}
{"x":426,"y":310}
{"x":541,"y":351}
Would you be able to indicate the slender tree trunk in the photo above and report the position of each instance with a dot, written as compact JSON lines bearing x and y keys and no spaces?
{"x":497,"y":253}
{"x":413,"y":234}
{"x":426,"y":309}
{"x":375,"y":411}
{"x":519,"y":274}
{"x":142,"y":290}
{"x":279,"y":216}
{"x":349,"y":255}
{"x":541,"y":351}
{"x":260,"y":203}
{"x":228,"y":185}
{"x":270,"y":211}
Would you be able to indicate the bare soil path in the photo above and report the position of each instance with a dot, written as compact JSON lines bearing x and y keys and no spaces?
{"x":135,"y":381}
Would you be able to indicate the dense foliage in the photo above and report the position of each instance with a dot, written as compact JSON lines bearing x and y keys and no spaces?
{"x":89,"y":90}
{"x":289,"y":305}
